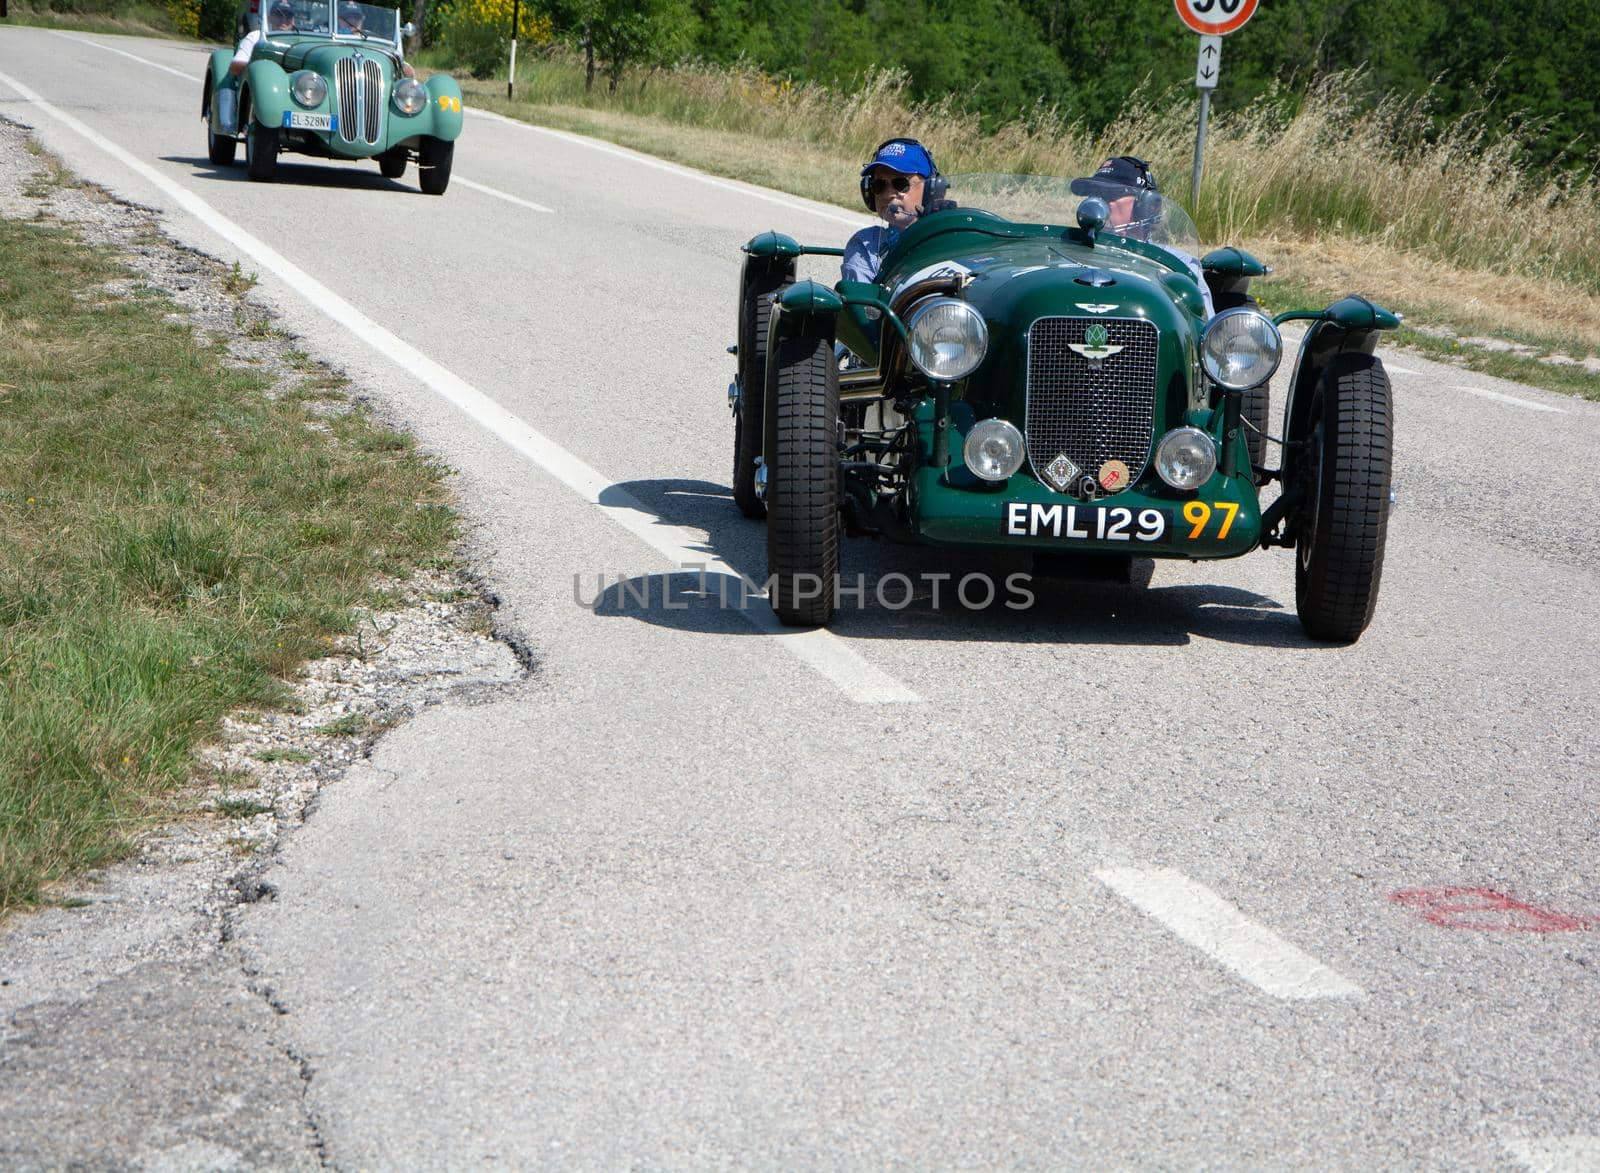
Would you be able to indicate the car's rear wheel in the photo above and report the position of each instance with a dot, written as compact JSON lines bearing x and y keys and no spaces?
{"x":1344,"y":518}
{"x":261,"y":151}
{"x":220,"y":148}
{"x":755,"y":314}
{"x":434,"y":157}
{"x":803,"y":482}
{"x":1256,"y":405}
{"x":392,"y":163}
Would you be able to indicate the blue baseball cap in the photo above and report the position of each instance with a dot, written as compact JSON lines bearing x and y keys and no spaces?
{"x":904,"y":157}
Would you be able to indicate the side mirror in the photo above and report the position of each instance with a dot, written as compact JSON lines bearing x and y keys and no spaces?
{"x":1093,"y":214}
{"x":408,"y":29}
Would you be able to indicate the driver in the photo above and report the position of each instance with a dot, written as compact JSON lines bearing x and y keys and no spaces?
{"x":1130,"y":190}
{"x":353,"y":20}
{"x":280,"y":19}
{"x":897,"y":184}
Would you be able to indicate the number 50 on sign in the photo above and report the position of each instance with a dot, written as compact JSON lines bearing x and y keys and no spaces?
{"x":1215,"y":18}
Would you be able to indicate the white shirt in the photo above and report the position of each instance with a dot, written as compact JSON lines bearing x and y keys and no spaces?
{"x":241,"y":55}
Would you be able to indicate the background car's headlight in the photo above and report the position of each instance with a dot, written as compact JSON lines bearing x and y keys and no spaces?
{"x":1241,"y":348}
{"x":1186,"y":458}
{"x":948,"y":339}
{"x":993,"y":449}
{"x":308,"y":88}
{"x":410,"y":95}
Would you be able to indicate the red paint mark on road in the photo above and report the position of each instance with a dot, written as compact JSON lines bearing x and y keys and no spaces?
{"x":1484,"y":910}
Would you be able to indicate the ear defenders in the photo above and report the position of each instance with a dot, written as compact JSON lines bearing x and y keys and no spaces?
{"x":1147,"y":205}
{"x":934,"y":186}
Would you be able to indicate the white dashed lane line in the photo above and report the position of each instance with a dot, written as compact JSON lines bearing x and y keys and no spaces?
{"x":500,"y":195}
{"x":1555,"y":1154}
{"x":1200,"y":917}
{"x":1500,"y":397}
{"x":131,"y":57}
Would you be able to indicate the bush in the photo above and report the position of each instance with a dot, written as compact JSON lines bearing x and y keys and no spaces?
{"x":478,"y":33}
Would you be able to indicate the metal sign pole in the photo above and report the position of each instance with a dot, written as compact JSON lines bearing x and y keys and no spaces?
{"x":511,"y":74}
{"x":1199,"y":149}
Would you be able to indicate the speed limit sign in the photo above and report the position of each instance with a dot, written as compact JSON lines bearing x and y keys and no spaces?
{"x":1215,"y":17}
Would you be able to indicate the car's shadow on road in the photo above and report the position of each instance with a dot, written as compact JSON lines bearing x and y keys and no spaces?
{"x":915,"y":592}
{"x":347,"y":175}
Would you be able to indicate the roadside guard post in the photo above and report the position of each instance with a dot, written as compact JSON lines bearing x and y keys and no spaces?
{"x":1213,"y":20}
{"x":511,"y":74}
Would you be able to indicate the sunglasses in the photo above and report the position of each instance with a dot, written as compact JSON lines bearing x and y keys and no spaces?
{"x":882,"y":183}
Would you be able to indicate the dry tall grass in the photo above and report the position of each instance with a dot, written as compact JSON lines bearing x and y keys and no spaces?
{"x":1330,"y":163}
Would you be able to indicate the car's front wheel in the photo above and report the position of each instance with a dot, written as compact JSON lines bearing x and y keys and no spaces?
{"x":434,"y":157}
{"x":755,"y":313}
{"x":261,"y":151}
{"x":392,"y":163}
{"x":1344,"y":517}
{"x":220,"y":148}
{"x":803,"y":483}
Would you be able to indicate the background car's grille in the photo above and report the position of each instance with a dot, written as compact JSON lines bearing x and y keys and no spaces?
{"x":1091,"y":412}
{"x":360,"y":86}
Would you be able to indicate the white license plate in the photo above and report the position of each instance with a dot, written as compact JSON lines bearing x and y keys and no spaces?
{"x":296,"y":120}
{"x":1084,"y":523}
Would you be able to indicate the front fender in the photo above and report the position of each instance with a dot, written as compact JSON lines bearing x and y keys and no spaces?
{"x":268,"y":86}
{"x":1350,"y":325}
{"x":443,"y":112}
{"x":217,"y":78}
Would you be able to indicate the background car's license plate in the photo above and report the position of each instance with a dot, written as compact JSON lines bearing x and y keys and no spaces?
{"x":295,"y":120}
{"x":1084,"y":523}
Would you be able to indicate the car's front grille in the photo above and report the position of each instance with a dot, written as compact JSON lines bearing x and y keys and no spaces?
{"x":360,"y":86}
{"x":1090,"y":408}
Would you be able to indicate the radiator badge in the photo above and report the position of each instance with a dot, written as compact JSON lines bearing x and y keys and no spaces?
{"x":1095,"y":307}
{"x":1093,"y":347}
{"x":1114,"y":476}
{"x":1061,"y":472}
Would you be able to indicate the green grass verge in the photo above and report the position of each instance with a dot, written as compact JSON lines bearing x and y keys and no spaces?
{"x":132,"y":19}
{"x":176,"y":543}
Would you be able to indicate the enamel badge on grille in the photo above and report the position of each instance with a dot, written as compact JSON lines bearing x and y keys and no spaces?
{"x":1061,"y":472}
{"x":1093,"y":347}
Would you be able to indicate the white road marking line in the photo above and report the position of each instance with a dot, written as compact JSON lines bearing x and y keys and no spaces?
{"x":500,"y":195}
{"x":1219,"y":930}
{"x":1555,"y":1154}
{"x":129,"y":56}
{"x":676,"y":169}
{"x":1499,"y":397}
{"x":827,"y":654}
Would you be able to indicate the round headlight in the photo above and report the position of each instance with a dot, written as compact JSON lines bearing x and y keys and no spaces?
{"x":993,"y":449}
{"x":410,"y":95}
{"x":308,"y":88}
{"x":1186,"y":458}
{"x":1241,"y":348}
{"x":948,"y":339}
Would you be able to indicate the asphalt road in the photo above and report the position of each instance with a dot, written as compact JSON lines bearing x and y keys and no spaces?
{"x":1112,"y":880}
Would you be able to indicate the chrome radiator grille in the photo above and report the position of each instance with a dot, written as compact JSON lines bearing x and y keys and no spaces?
{"x":360,"y":86}
{"x":1086,"y":409}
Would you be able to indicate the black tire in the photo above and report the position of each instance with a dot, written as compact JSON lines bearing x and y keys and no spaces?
{"x":755,"y":314}
{"x":803,"y":483}
{"x":1344,"y":519}
{"x":261,"y":151}
{"x":392,"y":163}
{"x":1255,"y":409}
{"x":434,"y":157}
{"x":220,"y":148}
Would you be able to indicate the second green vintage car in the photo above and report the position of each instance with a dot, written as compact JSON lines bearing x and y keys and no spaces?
{"x":326,"y":78}
{"x":1021,"y":376}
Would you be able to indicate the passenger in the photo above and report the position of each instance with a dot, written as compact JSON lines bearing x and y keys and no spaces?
{"x":1130,"y":190}
{"x":900,"y":183}
{"x":280,"y":19}
{"x":353,"y":20}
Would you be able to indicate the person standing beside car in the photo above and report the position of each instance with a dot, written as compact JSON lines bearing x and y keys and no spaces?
{"x":899,"y":183}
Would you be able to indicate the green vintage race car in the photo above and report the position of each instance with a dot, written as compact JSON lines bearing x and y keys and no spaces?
{"x":1022,"y":376}
{"x":328,"y":81}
